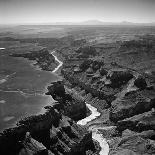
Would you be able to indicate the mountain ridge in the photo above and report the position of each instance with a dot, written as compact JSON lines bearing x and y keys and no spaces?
{"x":87,"y":22}
{"x":98,"y":22}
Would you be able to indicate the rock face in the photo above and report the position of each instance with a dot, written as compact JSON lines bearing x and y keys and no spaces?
{"x":11,"y":139}
{"x":132,"y":104}
{"x":32,"y":147}
{"x":56,"y":89}
{"x":71,"y":104}
{"x":66,"y":138}
{"x":118,"y":78}
{"x":44,"y":59}
{"x":103,"y":71}
{"x":86,"y":51}
{"x":133,"y":143}
{"x":98,"y":80}
{"x":113,"y":83}
{"x":53,"y":133}
{"x":125,"y":96}
{"x":144,"y":121}
{"x":78,"y":42}
{"x":140,"y":83}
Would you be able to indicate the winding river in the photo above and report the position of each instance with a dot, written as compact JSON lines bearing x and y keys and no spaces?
{"x":60,"y":62}
{"x":96,"y":135}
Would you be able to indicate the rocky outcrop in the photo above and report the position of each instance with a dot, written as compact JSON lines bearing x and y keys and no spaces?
{"x":71,"y":104}
{"x":95,"y":78}
{"x":67,"y":137}
{"x":123,"y":96}
{"x":78,"y":42}
{"x":141,"y":122}
{"x":56,"y":89}
{"x":92,"y":63}
{"x":10,"y":139}
{"x":119,"y":78}
{"x":44,"y":59}
{"x":103,"y":71}
{"x":86,"y":51}
{"x":125,"y":101}
{"x":32,"y":147}
{"x":51,"y":133}
{"x":135,"y":102}
{"x":140,"y":82}
{"x":132,"y":143}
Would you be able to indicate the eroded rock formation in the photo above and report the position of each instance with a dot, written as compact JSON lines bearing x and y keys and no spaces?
{"x":124,"y":96}
{"x":51,"y":133}
{"x":71,"y":104}
{"x":42,"y":57}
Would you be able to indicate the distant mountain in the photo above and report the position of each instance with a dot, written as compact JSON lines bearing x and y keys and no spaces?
{"x":95,"y":22}
{"x":91,"y":22}
{"x":98,"y":22}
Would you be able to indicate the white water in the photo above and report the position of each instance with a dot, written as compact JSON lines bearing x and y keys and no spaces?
{"x":95,"y":133}
{"x":2,"y":48}
{"x":94,"y":114}
{"x":102,"y":141}
{"x":60,"y":63}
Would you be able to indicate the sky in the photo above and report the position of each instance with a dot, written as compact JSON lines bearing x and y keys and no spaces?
{"x":49,"y":11}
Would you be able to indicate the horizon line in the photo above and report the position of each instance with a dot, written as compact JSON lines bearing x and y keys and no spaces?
{"x":79,"y":23}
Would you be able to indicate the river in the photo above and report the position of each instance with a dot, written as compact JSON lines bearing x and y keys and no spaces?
{"x":96,"y":135}
{"x":60,"y":62}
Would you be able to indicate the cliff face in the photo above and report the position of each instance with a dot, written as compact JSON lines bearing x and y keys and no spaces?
{"x":71,"y":104}
{"x":51,"y":133}
{"x":132,"y":104}
{"x":124,"y":96}
{"x":11,"y":139}
{"x":55,"y":131}
{"x":133,"y":143}
{"x":44,"y":59}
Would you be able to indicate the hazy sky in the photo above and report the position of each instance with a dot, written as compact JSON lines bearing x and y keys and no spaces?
{"x":42,"y":11}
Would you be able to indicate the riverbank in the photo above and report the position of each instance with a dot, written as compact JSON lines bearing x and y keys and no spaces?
{"x":22,"y":87}
{"x":38,"y":126}
{"x":125,"y":97}
{"x":60,"y":63}
{"x":96,"y":135}
{"x":34,"y":97}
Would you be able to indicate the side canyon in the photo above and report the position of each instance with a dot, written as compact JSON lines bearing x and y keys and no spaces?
{"x":103,"y":104}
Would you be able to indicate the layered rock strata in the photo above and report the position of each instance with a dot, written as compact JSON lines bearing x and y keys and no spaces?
{"x":43,"y":58}
{"x":124,"y":97}
{"x":50,"y":133}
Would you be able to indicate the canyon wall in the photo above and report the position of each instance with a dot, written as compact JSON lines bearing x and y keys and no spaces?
{"x":125,"y":96}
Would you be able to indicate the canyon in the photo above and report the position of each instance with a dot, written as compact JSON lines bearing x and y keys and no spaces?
{"x":63,"y":135}
{"x":123,"y":95}
{"x":103,"y":104}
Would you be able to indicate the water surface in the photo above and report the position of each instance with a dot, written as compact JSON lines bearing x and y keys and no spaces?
{"x":22,"y":89}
